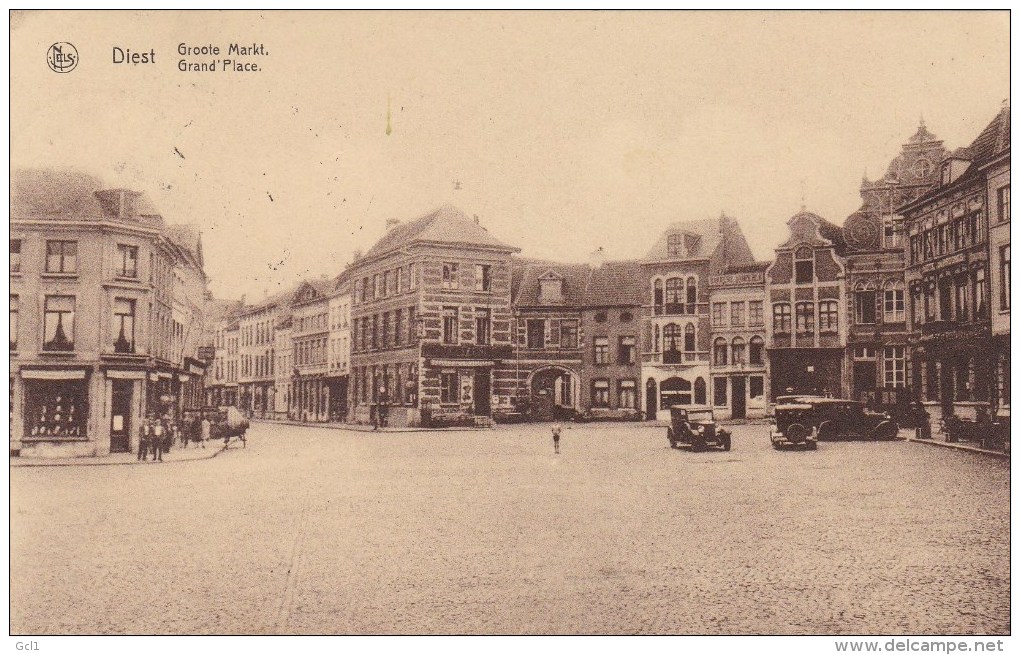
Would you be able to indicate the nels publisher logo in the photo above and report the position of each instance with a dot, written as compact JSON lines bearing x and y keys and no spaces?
{"x":62,"y":57}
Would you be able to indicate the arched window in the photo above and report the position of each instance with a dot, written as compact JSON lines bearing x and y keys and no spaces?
{"x":700,"y":392}
{"x":737,"y":348}
{"x":657,"y":296}
{"x":719,"y":351}
{"x":865,"y":300}
{"x":689,"y":344}
{"x":674,"y":391}
{"x":692,"y":295}
{"x":756,"y":351}
{"x":671,"y":344}
{"x":675,"y":295}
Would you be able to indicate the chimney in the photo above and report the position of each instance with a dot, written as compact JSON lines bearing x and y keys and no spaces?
{"x":477,"y":222}
{"x":392,"y":223}
{"x":597,"y":258}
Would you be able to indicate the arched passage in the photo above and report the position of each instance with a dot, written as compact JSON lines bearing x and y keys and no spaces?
{"x":553,"y":393}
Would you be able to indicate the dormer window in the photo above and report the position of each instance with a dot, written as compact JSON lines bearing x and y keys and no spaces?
{"x":693,"y":242}
{"x":947,"y":173}
{"x":675,"y":245}
{"x":550,"y":289}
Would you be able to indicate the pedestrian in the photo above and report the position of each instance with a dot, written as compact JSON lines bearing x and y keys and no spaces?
{"x":206,"y":431}
{"x":144,"y":438}
{"x":382,"y":406}
{"x":158,"y":432}
{"x":556,"y":437}
{"x":922,"y":422}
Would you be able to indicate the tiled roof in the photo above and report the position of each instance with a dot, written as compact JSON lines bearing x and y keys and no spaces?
{"x":708,"y":233}
{"x":617,"y":283}
{"x":575,"y":282}
{"x":753,"y":267}
{"x":444,"y":225}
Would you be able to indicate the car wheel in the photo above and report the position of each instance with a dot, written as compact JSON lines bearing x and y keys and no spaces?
{"x":726,"y":442}
{"x":826,"y":431}
{"x":812,"y":445}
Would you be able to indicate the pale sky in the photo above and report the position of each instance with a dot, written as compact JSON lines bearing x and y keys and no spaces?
{"x":566,"y":131}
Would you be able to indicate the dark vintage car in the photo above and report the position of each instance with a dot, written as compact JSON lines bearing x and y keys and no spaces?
{"x":791,"y":426}
{"x":833,"y":419}
{"x":695,"y":428}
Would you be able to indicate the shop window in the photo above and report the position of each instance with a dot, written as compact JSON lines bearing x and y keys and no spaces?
{"x":627,"y":391}
{"x":674,"y":391}
{"x":61,"y":256}
{"x":123,"y":325}
{"x":448,"y":384}
{"x":600,"y":393}
{"x":719,"y":392}
{"x":756,"y":386}
{"x":56,"y":408}
{"x":58,"y":323}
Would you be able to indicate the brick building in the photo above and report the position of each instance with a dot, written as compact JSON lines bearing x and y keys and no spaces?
{"x":309,"y":333}
{"x":737,"y":306}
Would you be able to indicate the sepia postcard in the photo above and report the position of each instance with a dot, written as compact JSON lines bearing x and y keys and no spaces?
{"x":677,"y":323}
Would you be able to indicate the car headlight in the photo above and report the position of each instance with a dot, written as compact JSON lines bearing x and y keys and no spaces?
{"x":701,"y":429}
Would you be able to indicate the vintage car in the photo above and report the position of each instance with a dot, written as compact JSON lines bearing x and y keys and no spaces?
{"x":833,"y":418}
{"x":695,"y":428}
{"x":791,"y":425}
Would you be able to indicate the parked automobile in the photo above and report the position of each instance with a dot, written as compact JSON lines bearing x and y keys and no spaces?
{"x":695,"y":428}
{"x":791,"y":426}
{"x":834,"y":418}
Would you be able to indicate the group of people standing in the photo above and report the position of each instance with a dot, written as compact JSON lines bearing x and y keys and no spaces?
{"x":156,"y":435}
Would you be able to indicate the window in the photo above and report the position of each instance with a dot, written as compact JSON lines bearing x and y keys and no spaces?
{"x":626,"y":317}
{"x":601,"y":317}
{"x":377,"y":289}
{"x":718,"y":314}
{"x":412,"y":277}
{"x":864,"y":306}
{"x":359,"y":291}
{"x":962,"y":301}
{"x":674,"y":391}
{"x":657,"y":296}
{"x":756,"y":351}
{"x":1004,"y":277}
{"x":915,"y":249}
{"x":450,"y":327}
{"x":14,"y":322}
{"x":689,"y":338}
{"x":756,"y":386}
{"x":946,"y":299}
{"x":980,"y":289}
{"x":628,"y":346}
{"x":917,"y":306}
{"x":864,"y":352}
{"x":675,"y":245}
{"x":15,"y":255}
{"x":568,"y":333}
{"x":781,"y":318}
{"x":58,"y":323}
{"x":754,"y":313}
{"x":385,"y":289}
{"x":891,"y":233}
{"x":123,"y":325}
{"x":1004,"y":203}
{"x":483,"y":278}
{"x":483,"y":327}
{"x":719,"y":351}
{"x":61,"y":256}
{"x":692,"y":295}
{"x":448,"y":387}
{"x":737,"y":313}
{"x":895,"y":365}
{"x":413,"y":329}
{"x":700,"y":392}
{"x":600,"y":393}
{"x":804,"y":266}
{"x":56,"y":408}
{"x":671,"y":344}
{"x":655,"y":347}
{"x":738,"y":349}
{"x":719,"y":392}
{"x":895,"y":311}
{"x":398,"y":326}
{"x":375,"y":331}
{"x":451,"y":275}
{"x":627,"y":392}
{"x":805,"y":318}
{"x":828,"y":317}
{"x":386,"y":330}
{"x":601,"y":350}
{"x":536,"y":333}
{"x":675,"y":295}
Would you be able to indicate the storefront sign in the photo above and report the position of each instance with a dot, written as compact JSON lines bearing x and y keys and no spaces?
{"x":125,"y":375}
{"x":31,"y":374}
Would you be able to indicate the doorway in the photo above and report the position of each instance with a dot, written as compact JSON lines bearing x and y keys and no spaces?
{"x":120,"y":416}
{"x":483,"y":394}
{"x":651,"y":399}
{"x":739,"y":395}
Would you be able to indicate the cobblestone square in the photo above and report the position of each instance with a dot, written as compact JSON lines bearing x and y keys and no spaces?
{"x":311,"y":530}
